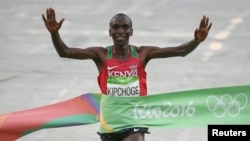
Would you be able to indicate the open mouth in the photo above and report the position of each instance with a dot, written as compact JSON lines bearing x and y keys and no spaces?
{"x":120,"y":38}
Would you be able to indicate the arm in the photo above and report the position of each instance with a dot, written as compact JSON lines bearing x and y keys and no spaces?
{"x":200,"y":35}
{"x":62,"y":49}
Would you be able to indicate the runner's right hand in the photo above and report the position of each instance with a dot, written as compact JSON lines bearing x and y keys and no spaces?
{"x":50,"y":21}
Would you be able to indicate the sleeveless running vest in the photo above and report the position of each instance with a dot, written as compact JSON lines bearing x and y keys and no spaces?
{"x":123,"y":77}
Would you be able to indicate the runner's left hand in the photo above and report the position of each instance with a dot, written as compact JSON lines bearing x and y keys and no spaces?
{"x":201,"y":33}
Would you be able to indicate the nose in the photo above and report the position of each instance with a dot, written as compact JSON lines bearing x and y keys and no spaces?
{"x":120,"y":30}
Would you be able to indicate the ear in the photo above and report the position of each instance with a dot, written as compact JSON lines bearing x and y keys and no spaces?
{"x":131,"y":34}
{"x":110,"y":33}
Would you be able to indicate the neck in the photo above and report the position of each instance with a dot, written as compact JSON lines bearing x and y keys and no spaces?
{"x":121,"y":52}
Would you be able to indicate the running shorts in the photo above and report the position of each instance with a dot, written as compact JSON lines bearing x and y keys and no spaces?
{"x":119,"y":136}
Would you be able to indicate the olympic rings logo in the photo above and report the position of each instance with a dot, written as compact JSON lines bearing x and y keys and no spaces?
{"x":227,"y":104}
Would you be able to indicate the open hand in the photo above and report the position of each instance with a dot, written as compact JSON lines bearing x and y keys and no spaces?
{"x":50,"y":22}
{"x":201,"y":33}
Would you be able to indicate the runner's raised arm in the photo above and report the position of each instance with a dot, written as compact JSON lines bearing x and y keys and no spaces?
{"x":200,"y":34}
{"x":62,"y":49}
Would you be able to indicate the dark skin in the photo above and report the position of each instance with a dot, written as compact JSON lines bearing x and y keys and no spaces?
{"x":120,"y":31}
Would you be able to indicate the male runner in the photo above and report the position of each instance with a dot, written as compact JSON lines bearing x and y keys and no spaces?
{"x":122,"y":66}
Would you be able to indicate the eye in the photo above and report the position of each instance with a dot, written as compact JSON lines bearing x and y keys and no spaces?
{"x":115,"y":27}
{"x":125,"y":27}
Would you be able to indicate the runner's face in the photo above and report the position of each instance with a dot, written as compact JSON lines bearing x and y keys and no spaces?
{"x":120,"y":30}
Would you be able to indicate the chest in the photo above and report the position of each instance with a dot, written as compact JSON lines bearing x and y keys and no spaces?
{"x":125,"y":66}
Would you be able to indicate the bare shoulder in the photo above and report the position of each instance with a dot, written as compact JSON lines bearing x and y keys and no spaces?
{"x":97,"y":50}
{"x":145,"y":52}
{"x":146,"y":49}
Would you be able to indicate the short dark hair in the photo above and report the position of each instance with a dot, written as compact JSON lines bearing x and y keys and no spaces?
{"x":120,"y":14}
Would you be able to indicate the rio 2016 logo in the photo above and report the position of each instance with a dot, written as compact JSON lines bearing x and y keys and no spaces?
{"x":227,"y":104}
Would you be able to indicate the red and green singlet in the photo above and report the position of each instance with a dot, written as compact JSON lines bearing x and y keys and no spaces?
{"x":123,"y":77}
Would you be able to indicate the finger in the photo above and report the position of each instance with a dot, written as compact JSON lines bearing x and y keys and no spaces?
{"x":195,"y":33}
{"x":51,"y":13}
{"x":44,"y":19}
{"x":207,"y":21}
{"x":48,"y":13}
{"x":202,"y":22}
{"x":61,"y":21}
{"x":53,"y":16}
{"x":210,"y":25}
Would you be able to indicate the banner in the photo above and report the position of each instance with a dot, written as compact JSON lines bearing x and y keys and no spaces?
{"x":185,"y":109}
{"x":194,"y":108}
{"x":80,"y":110}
